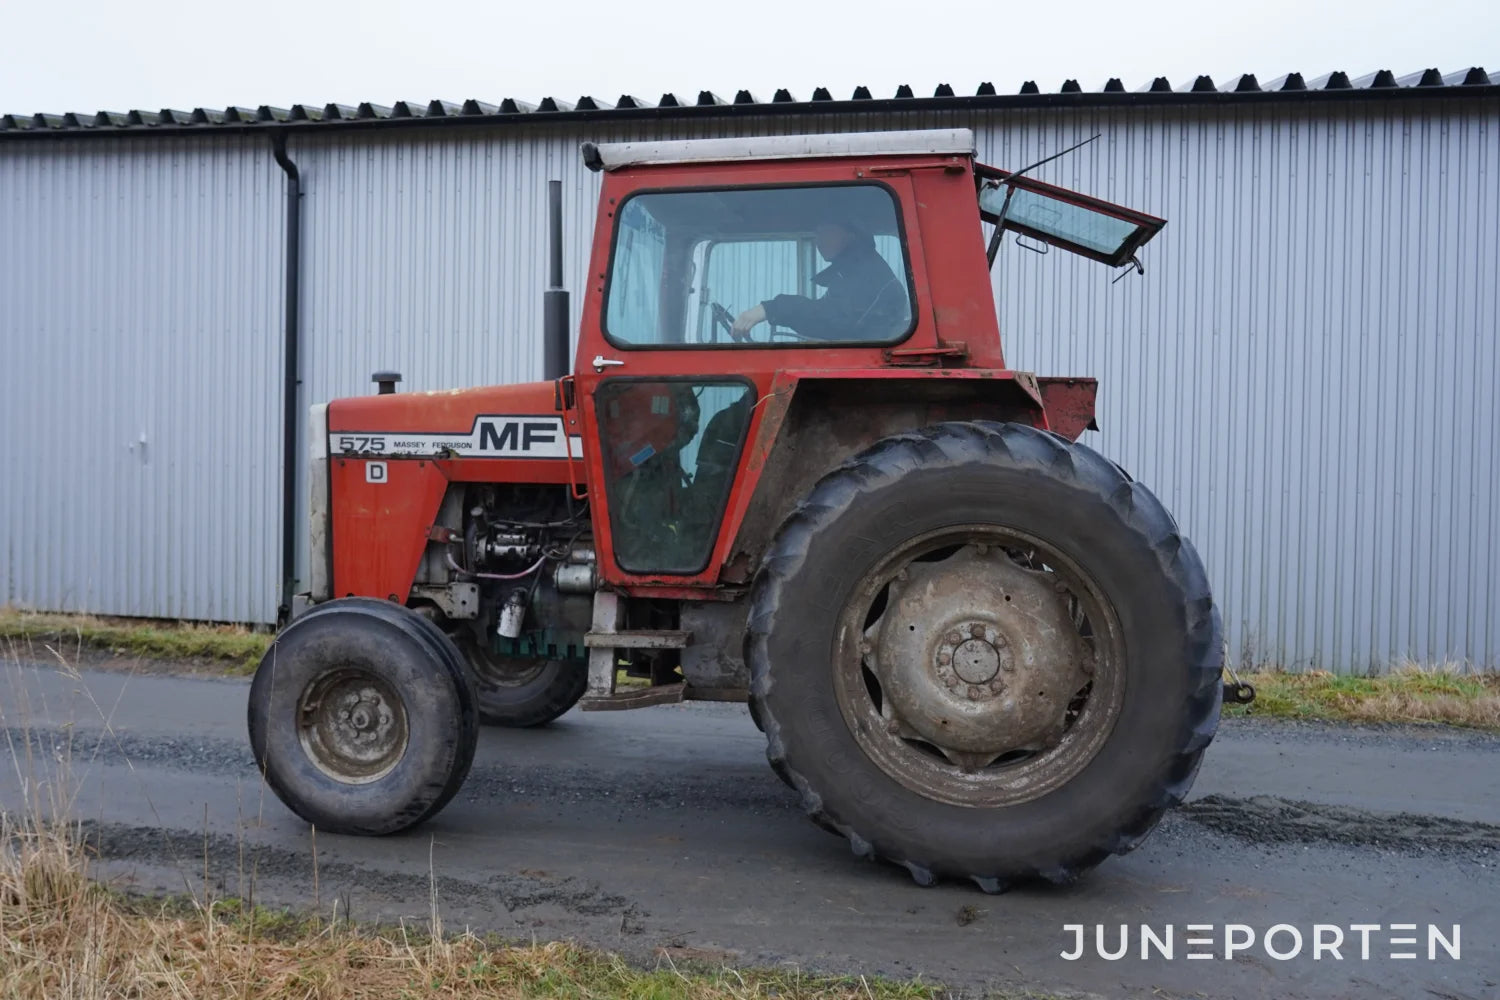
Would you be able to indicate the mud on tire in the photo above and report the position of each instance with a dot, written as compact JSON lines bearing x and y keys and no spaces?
{"x":388,"y":668}
{"x":1165,"y":635}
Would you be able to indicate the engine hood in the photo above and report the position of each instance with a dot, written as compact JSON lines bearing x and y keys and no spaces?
{"x":444,"y":411}
{"x":508,"y":421}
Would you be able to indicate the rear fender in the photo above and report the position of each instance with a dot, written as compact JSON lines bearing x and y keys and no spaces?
{"x":1069,"y":403}
{"x":814,"y":423}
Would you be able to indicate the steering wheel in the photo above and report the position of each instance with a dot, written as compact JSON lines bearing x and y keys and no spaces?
{"x":722,"y":317}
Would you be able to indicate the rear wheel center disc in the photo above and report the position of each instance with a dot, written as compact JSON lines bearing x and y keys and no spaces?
{"x":978,"y":676}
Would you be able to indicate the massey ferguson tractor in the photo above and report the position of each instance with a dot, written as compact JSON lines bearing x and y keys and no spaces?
{"x":791,"y":467}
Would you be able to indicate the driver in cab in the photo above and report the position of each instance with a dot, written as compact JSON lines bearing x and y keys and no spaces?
{"x":863,"y":299}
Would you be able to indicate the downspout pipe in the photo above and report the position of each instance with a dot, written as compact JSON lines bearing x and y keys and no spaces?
{"x":291,"y":383}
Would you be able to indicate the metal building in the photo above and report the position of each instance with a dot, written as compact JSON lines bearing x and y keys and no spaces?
{"x":1306,"y":373}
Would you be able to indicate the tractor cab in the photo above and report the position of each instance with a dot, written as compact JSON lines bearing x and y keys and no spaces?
{"x":728,"y":276}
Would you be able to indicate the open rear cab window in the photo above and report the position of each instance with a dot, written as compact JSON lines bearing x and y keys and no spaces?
{"x":1091,"y":227}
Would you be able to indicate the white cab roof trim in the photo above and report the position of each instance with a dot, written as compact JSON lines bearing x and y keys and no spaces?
{"x":939,"y":142}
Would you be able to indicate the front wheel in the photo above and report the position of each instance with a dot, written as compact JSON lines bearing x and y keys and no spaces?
{"x":360,"y":717}
{"x":981,"y":651}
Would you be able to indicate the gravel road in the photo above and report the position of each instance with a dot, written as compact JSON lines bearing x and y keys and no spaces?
{"x":664,"y":829}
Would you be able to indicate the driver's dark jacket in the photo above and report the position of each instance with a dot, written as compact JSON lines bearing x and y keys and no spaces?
{"x":864,"y":300}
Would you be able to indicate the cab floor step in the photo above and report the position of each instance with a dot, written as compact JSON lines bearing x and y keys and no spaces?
{"x":638,"y":639}
{"x":665,"y":694}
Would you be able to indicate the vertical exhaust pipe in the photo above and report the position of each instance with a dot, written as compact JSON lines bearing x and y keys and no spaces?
{"x":292,"y":454}
{"x":555,"y":351}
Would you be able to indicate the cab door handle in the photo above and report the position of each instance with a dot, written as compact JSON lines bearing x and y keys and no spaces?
{"x":601,"y":363}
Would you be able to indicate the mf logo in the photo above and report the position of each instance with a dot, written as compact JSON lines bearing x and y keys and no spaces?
{"x":517,"y":435}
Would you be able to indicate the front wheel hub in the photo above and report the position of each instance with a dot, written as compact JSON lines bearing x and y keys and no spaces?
{"x":352,"y":726}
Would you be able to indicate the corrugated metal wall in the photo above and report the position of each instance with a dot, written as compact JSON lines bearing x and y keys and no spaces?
{"x":1304,"y":373}
{"x":140,"y":377}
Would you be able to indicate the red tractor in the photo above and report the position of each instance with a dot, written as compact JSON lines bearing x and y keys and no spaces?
{"x":790,"y":467}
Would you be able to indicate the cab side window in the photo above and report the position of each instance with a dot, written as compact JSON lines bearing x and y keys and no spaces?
{"x":822,"y":264}
{"x":634,"y":303}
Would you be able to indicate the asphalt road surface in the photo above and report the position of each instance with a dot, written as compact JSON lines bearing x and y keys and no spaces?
{"x":664,"y":829}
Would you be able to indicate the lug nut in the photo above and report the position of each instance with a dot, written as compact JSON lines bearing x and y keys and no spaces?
{"x":974,"y":692}
{"x":955,"y":637}
{"x":976,"y":630}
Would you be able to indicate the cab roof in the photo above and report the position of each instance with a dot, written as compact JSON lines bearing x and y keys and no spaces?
{"x":924,"y":142}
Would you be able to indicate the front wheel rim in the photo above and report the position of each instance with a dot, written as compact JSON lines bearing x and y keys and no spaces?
{"x":979,"y":666}
{"x":352,"y":725}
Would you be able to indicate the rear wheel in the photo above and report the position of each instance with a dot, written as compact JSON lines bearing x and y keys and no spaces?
{"x":361,"y":719}
{"x":981,"y":651}
{"x":516,"y":692}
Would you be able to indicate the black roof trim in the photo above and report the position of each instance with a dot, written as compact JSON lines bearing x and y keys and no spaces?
{"x":1244,"y":88}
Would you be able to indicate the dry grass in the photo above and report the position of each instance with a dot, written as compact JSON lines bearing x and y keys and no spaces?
{"x":1408,"y":694}
{"x":233,"y":649}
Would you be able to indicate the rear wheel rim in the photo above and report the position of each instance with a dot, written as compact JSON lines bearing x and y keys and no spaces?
{"x":352,"y":725}
{"x":979,"y":666}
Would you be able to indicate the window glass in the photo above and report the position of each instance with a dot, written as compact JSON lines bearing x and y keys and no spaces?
{"x":1067,"y":219}
{"x":772,"y":265}
{"x":1072,"y":223}
{"x":635,"y":286}
{"x":670,"y":450}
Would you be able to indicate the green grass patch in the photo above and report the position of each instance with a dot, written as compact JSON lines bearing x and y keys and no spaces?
{"x":1409,"y":694}
{"x":234,"y":648}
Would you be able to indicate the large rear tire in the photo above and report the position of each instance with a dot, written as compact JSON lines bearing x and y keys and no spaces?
{"x":522,"y":693}
{"x":981,"y":651}
{"x":361,"y":719}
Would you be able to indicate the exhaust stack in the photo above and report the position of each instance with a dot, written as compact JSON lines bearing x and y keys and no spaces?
{"x":555,"y":351}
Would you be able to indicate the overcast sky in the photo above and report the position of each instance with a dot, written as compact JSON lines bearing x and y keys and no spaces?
{"x":90,"y":55}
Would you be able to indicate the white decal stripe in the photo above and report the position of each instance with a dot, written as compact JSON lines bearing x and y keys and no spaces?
{"x":493,"y":436}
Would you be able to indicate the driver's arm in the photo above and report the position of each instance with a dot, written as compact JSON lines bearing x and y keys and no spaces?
{"x":747,"y":320}
{"x":826,"y":318}
{"x":795,"y":312}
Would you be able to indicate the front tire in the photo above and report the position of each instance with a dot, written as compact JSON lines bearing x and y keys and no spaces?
{"x":361,"y":719}
{"x":981,"y":651}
